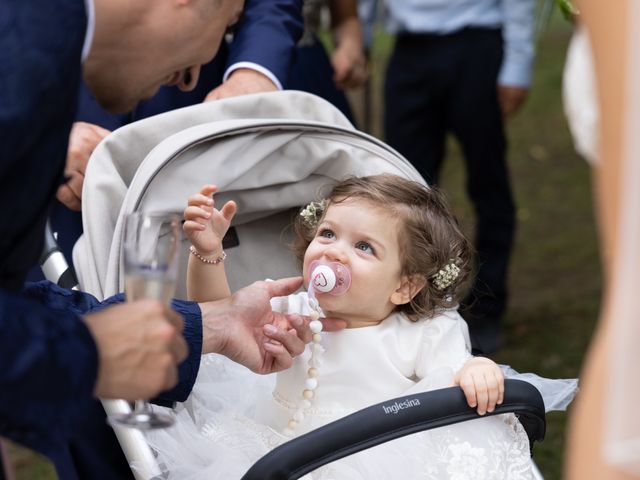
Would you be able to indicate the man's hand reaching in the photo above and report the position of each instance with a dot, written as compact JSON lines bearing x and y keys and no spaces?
{"x":246,"y":329}
{"x":83,"y":140}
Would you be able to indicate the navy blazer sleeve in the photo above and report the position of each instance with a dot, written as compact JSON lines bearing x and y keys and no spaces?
{"x":187,"y":370}
{"x":267,"y":35}
{"x":49,"y":362}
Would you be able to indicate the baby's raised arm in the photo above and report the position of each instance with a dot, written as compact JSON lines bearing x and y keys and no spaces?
{"x":205,"y":226}
{"x":482,"y":382}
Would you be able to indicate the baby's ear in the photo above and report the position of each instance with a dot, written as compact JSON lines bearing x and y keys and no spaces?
{"x":409,"y":288}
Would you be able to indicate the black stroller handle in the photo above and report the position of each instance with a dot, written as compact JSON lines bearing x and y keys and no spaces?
{"x":390,"y":420}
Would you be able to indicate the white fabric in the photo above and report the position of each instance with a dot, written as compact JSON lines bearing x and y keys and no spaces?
{"x":272,"y":152}
{"x":579,"y":96}
{"x":406,"y":357}
{"x":232,"y":418}
{"x":622,"y":386}
{"x":557,"y":394}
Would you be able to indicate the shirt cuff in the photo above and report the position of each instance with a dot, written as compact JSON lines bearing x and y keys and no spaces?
{"x":515,"y":74}
{"x":252,"y":66}
{"x":187,"y":370}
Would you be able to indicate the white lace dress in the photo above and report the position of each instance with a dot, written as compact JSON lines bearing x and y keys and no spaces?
{"x":233,"y":417}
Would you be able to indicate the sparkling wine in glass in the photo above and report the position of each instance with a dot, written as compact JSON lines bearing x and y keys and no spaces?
{"x":150,"y":248}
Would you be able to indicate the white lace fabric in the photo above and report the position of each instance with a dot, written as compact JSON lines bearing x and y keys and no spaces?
{"x":234,"y":417}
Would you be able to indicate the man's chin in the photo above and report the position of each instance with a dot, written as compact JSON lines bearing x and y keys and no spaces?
{"x":115,"y":105}
{"x":121,"y":108}
{"x":121,"y":103}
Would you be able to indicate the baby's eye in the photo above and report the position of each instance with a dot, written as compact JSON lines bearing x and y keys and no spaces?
{"x":326,"y":233}
{"x":365,"y":247}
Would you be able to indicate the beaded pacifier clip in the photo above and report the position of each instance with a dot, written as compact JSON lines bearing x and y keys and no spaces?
{"x":332,"y":278}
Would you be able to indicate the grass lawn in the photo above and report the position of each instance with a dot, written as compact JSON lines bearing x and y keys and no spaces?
{"x":554,"y":276}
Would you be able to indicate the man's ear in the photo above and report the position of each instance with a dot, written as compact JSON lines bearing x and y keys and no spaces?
{"x":408,"y":288}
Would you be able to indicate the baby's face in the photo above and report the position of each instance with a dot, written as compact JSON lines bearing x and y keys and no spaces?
{"x":364,"y":238}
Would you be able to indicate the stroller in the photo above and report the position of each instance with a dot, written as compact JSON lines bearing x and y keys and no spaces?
{"x":271,"y":153}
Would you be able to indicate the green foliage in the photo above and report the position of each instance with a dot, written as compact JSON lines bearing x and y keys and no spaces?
{"x":567,"y":8}
{"x":29,"y":465}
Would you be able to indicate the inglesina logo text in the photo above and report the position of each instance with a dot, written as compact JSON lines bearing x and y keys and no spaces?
{"x":397,"y":406}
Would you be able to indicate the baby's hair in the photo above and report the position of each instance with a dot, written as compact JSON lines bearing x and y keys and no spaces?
{"x":429,"y":236}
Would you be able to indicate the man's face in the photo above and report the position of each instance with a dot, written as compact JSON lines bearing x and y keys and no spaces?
{"x":165,"y":45}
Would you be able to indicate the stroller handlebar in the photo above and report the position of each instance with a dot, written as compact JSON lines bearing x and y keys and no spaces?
{"x":389,"y":420}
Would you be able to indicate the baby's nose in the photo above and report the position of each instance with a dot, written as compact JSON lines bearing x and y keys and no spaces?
{"x":336,"y":254}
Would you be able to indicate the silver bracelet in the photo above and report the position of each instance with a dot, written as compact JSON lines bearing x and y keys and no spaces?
{"x":215,"y":261}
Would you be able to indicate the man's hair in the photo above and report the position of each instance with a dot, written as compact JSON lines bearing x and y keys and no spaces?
{"x":429,"y":236}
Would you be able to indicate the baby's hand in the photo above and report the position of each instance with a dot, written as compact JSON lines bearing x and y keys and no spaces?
{"x":482,"y":382}
{"x":205,"y":226}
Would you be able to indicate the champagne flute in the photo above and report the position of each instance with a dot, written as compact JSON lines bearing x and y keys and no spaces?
{"x":150,"y":247}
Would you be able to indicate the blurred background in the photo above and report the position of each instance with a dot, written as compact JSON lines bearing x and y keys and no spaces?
{"x":555,"y":273}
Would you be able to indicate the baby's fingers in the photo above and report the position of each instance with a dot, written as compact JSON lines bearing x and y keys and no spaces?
{"x":229,"y":210}
{"x":190,"y":226}
{"x":196,"y":214}
{"x":499,"y":378}
{"x":469,"y":389}
{"x":199,"y":200}
{"x":208,"y":190}
{"x":493,"y":389}
{"x":482,"y":393}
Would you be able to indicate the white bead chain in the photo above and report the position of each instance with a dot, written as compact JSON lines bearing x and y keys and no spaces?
{"x":311,"y":383}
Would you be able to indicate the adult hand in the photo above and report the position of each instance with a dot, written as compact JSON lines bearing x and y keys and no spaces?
{"x":482,"y":382}
{"x":348,"y":59}
{"x":242,"y":82}
{"x":244,"y":328}
{"x":139,"y":345}
{"x":349,"y":65}
{"x":511,"y":99}
{"x":83,"y":140}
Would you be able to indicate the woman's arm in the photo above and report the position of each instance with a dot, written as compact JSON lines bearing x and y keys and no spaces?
{"x":603,"y":399}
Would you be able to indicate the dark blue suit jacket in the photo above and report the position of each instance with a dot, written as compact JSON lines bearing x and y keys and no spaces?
{"x":47,"y":356}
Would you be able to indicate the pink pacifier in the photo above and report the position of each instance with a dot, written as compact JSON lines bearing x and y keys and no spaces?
{"x":329,"y":277}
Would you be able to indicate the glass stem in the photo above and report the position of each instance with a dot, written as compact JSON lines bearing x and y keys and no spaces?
{"x":141,"y":406}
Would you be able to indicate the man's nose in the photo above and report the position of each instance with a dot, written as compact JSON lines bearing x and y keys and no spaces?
{"x":189,"y":79}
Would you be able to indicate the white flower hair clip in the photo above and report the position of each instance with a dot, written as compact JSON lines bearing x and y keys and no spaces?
{"x":312,"y":212}
{"x":446,"y":276}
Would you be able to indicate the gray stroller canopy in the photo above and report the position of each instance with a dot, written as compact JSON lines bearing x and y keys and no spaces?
{"x":268,"y":152}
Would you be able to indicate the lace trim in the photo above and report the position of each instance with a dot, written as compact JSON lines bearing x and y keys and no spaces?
{"x":320,"y":412}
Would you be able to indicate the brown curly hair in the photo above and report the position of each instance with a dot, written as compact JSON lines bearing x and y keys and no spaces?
{"x":430,"y":237}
